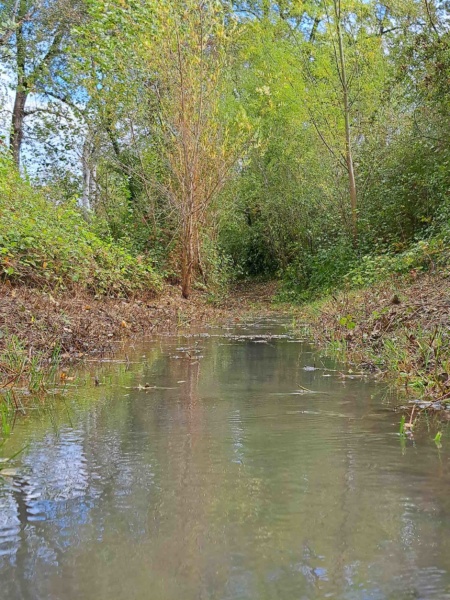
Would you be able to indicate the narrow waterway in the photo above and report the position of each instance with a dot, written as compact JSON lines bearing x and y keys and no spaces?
{"x":230,"y":465}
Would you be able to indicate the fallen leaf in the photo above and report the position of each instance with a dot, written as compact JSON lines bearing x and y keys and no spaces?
{"x":8,"y":472}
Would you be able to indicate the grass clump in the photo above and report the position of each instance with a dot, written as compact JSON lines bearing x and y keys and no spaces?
{"x":396,"y":328}
{"x":24,"y":375}
{"x":23,"y":370}
{"x":49,"y":245}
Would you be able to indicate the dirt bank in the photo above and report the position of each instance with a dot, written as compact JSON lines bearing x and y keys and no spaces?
{"x":79,"y":324}
{"x":398,"y":329}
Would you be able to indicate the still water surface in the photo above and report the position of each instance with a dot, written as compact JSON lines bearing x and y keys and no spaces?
{"x":226,"y":481}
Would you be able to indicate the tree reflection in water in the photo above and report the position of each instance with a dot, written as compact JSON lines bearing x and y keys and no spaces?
{"x":226,"y":484}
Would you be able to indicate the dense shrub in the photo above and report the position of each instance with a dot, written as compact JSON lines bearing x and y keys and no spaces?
{"x":46,"y":244}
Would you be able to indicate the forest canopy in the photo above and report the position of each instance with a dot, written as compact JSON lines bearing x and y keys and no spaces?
{"x":304,"y":141}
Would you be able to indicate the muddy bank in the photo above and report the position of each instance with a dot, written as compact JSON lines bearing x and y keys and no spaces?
{"x":399,"y":330}
{"x":80,"y":324}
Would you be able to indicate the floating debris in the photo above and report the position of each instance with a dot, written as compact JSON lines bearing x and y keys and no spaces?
{"x":9,"y":472}
{"x":147,"y":387}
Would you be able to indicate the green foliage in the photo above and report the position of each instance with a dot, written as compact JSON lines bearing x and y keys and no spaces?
{"x":316,"y":274}
{"x":52,"y":245}
{"x":424,"y":255}
{"x":291,"y":214}
{"x":406,"y":186}
{"x":236,"y":122}
{"x":348,"y":322}
{"x":218,"y":270}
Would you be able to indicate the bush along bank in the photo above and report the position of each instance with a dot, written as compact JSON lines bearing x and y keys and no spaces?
{"x":399,"y":329}
{"x":51,"y":246}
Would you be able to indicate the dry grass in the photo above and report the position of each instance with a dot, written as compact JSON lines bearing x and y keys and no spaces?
{"x":80,"y":324}
{"x":399,"y":329}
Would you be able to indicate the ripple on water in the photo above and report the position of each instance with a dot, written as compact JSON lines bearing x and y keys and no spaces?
{"x":229,"y":480}
{"x":9,"y":523}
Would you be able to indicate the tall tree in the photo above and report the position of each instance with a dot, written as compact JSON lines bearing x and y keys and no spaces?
{"x":33,"y":46}
{"x":202,"y":133}
{"x":344,"y":68}
{"x":343,"y":79}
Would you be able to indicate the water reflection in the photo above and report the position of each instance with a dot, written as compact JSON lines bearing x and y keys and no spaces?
{"x":231,"y":483}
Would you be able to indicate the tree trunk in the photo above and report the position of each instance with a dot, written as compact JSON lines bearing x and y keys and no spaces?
{"x":348,"y":142}
{"x":87,"y":176}
{"x":17,"y":122}
{"x":186,"y":276}
{"x":18,"y":115}
{"x":188,"y":257}
{"x":352,"y":187}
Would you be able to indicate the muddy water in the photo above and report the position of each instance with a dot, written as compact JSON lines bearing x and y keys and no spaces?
{"x":238,"y":474}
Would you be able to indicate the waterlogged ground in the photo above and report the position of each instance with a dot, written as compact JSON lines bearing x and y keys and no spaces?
{"x":223,"y":466}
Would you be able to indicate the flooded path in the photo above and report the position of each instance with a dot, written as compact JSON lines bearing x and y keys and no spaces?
{"x":232,"y":465}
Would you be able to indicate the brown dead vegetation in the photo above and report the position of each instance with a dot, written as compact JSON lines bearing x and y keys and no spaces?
{"x":398,"y":329}
{"x":80,"y":324}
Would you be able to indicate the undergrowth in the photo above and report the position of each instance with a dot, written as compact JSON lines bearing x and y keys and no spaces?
{"x":50,"y":245}
{"x":396,"y":328}
{"x":343,"y":268}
